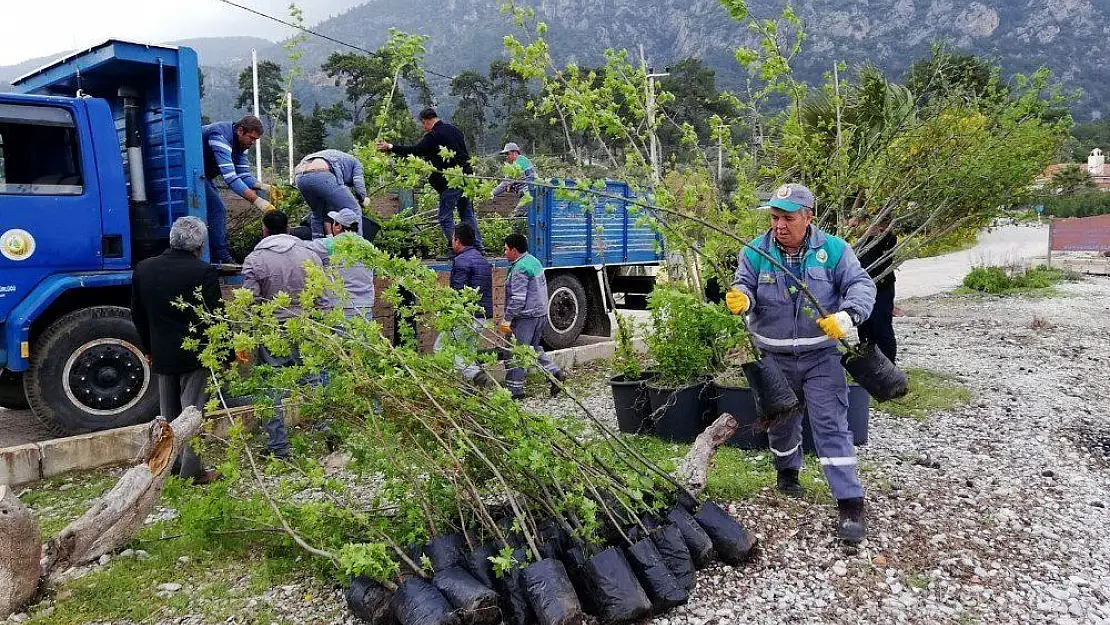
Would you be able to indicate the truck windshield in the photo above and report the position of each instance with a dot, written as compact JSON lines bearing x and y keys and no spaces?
{"x":38,"y":151}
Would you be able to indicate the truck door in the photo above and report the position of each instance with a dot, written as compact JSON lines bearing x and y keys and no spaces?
{"x":50,"y":219}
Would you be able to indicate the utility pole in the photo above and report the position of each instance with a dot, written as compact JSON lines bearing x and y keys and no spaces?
{"x":653,"y":145}
{"x":257,"y":144}
{"x":289,"y":125}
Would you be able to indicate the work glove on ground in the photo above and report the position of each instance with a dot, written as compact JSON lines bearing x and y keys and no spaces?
{"x":737,"y":302}
{"x":836,"y":326}
{"x":263,"y":204}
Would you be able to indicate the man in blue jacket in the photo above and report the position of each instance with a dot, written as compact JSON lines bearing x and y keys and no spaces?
{"x":331,"y":180}
{"x":440,"y":139}
{"x":469,"y":269}
{"x":225,"y":157}
{"x":781,"y":320}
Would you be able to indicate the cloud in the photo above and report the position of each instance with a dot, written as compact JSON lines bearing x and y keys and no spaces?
{"x":28,"y":31}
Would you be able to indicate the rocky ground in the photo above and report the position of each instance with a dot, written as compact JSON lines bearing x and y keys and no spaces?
{"x":993,"y":512}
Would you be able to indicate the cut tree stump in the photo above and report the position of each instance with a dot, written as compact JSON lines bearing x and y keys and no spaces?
{"x":114,"y":519}
{"x":693,"y":471}
{"x":20,"y":546}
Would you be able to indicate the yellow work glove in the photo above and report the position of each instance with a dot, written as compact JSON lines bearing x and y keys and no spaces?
{"x":276,"y":194}
{"x":737,"y":302}
{"x":261,"y":204}
{"x":505,"y":327}
{"x":836,"y":326}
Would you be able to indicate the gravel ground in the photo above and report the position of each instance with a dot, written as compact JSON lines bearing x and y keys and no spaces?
{"x":995,"y":512}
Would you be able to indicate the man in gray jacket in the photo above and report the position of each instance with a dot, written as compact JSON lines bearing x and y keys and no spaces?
{"x":526,"y":311}
{"x":358,"y":279}
{"x":277,"y":266}
{"x":783,"y":326}
{"x":326,"y":180}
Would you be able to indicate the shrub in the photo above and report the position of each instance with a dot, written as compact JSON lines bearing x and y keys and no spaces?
{"x":999,"y":281}
{"x":689,"y":338}
{"x":992,"y":280}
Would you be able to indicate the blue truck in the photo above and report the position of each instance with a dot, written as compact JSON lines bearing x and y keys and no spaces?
{"x":100,"y":152}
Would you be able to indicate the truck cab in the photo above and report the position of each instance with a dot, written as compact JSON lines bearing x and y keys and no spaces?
{"x":99,"y":153}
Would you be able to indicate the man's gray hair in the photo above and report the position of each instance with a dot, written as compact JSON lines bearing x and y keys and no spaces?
{"x":188,"y":234}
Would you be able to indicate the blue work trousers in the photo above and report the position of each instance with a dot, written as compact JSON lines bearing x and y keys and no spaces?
{"x":528,"y":331}
{"x":323,"y":194}
{"x":449,"y":200}
{"x":818,"y":379}
{"x":218,"y":250}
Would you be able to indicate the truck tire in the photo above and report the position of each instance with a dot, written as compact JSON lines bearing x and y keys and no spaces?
{"x":88,"y":373}
{"x":566,"y":312}
{"x":12,"y":396}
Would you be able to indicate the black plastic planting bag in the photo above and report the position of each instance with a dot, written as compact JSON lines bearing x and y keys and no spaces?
{"x":772,"y":394}
{"x":620,"y":597}
{"x":417,"y":602}
{"x":657,"y":580}
{"x":369,"y":601}
{"x":697,"y":541}
{"x":551,"y":594}
{"x":476,"y":603}
{"x":479,"y":565}
{"x":446,"y":551}
{"x":872,"y":370}
{"x":554,"y":538}
{"x":668,"y":539}
{"x":514,"y":597}
{"x":731,"y":541}
{"x":575,"y":559}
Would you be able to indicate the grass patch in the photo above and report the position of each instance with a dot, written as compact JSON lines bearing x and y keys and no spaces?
{"x":59,"y":500}
{"x":930,"y":392}
{"x":1010,"y":281}
{"x":736,"y":474}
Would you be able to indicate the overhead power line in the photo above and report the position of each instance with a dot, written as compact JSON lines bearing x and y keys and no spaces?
{"x":316,"y":34}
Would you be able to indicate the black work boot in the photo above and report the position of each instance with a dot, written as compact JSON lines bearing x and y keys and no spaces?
{"x":557,"y":387}
{"x":788,"y":483}
{"x":852,"y":527}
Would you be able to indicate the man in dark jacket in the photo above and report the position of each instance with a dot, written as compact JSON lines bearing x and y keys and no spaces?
{"x":438,"y":135}
{"x":877,"y":245}
{"x":163,"y":327}
{"x":469,"y":269}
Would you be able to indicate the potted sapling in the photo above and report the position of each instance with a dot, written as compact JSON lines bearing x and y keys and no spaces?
{"x":629,"y":384}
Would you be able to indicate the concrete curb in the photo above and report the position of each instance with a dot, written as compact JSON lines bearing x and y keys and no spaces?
{"x":32,"y":462}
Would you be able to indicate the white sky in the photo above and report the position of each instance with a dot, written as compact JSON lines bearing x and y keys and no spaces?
{"x":34,"y":28}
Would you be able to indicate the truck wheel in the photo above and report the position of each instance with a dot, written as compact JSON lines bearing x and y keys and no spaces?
{"x":11,"y":390}
{"x":566,"y":312}
{"x":87,"y":373}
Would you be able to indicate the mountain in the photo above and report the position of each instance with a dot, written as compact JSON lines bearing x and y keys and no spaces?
{"x":1066,"y":35}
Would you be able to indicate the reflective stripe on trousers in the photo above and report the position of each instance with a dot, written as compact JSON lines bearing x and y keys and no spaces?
{"x":818,"y":378}
{"x":529,"y":331}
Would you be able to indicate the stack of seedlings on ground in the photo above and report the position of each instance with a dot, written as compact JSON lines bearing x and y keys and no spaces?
{"x":464,"y":508}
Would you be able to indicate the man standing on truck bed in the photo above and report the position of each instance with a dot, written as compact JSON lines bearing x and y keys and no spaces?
{"x":157,"y":283}
{"x":326,"y":180}
{"x":225,"y":156}
{"x":526,"y":311}
{"x":438,"y":135}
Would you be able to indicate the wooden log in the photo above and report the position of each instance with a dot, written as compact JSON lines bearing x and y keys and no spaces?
{"x":116,"y":518}
{"x":693,"y":471}
{"x":20,"y":547}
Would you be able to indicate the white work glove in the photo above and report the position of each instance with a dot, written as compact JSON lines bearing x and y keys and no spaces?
{"x":836,"y":326}
{"x":268,"y":189}
{"x":263,"y":204}
{"x":366,"y":202}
